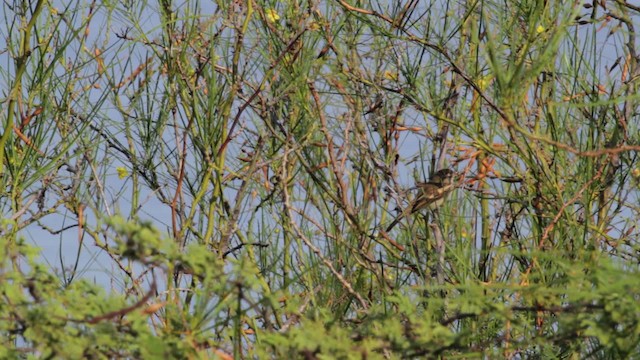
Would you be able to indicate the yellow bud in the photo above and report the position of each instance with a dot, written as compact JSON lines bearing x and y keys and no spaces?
{"x":390,"y":75}
{"x":122,"y":172}
{"x":272,"y":15}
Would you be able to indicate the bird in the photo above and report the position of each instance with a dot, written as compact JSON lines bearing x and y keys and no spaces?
{"x":431,"y":195}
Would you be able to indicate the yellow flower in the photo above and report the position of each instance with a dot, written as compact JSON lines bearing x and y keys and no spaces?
{"x":484,"y":82}
{"x":314,"y":26}
{"x":390,"y":75}
{"x":540,"y":29}
{"x":122,"y":172}
{"x":272,"y":15}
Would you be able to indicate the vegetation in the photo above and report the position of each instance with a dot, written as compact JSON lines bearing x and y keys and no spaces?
{"x":213,"y":180}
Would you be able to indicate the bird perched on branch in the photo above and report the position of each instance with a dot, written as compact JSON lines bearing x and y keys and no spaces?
{"x":431,"y":195}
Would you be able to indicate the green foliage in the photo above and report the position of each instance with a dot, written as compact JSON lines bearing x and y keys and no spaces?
{"x":55,"y":321}
{"x":479,"y":321}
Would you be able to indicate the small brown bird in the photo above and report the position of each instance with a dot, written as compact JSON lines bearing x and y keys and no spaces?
{"x":432,"y":195}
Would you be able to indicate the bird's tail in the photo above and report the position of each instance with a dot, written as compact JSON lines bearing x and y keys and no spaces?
{"x":395,"y":222}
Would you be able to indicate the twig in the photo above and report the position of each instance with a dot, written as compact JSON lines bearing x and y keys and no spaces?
{"x":345,"y":284}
